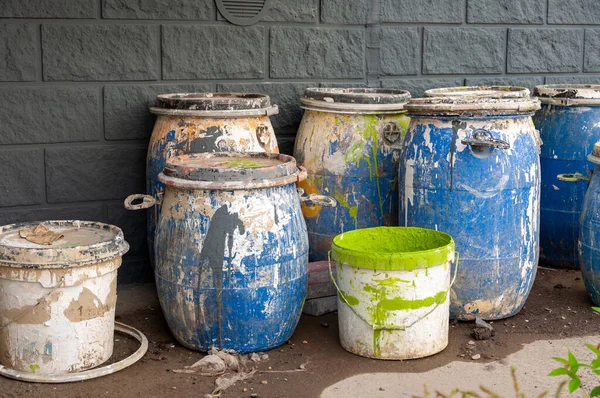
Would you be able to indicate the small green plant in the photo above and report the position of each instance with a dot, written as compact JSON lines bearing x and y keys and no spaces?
{"x":571,"y":366}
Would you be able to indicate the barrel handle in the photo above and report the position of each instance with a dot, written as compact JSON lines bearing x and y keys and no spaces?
{"x":482,"y":139}
{"x":383,"y":327}
{"x":263,"y":135}
{"x":390,"y":132}
{"x":302,"y":173}
{"x":147,"y":201}
{"x":570,"y":177}
{"x":316,"y":200}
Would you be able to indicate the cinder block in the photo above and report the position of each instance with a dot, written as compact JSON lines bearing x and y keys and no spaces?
{"x":212,"y":52}
{"x":200,"y":10}
{"x":506,"y":11}
{"x":321,"y":290}
{"x":126,"y":108}
{"x":85,"y":213}
{"x":318,"y":272}
{"x":100,"y":52}
{"x":575,"y":12}
{"x":21,"y":183}
{"x":48,"y":9}
{"x":544,"y":50}
{"x":102,"y":172}
{"x":418,"y":86}
{"x":400,"y":51}
{"x":591,"y":61}
{"x":578,"y":79}
{"x":529,"y":82}
{"x":320,"y":306}
{"x":50,"y":114}
{"x":317,"y":52}
{"x":345,"y":12}
{"x":293,"y":11}
{"x":17,"y":47}
{"x":449,"y":11}
{"x":463,"y":50}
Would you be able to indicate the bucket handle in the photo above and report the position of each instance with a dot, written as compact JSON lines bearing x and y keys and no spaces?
{"x":147,"y":201}
{"x":383,"y":327}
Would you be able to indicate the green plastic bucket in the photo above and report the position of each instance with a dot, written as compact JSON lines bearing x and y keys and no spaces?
{"x":393,"y":291}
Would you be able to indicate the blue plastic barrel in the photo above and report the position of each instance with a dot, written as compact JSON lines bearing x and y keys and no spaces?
{"x":569,"y":125}
{"x":470,"y":168}
{"x":349,"y":140}
{"x":204,"y":122}
{"x":589,"y":232}
{"x":232,"y":250}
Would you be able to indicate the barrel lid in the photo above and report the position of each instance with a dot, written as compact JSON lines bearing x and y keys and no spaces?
{"x":229,"y":170}
{"x":355,"y":100}
{"x":209,"y":104}
{"x":480,"y":91}
{"x":569,"y":94}
{"x":80,"y":243}
{"x":472,"y":106}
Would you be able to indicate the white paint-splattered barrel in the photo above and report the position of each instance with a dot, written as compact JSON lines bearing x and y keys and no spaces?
{"x":393,"y":297}
{"x":57,"y":302}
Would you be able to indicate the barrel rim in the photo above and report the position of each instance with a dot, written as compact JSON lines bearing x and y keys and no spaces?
{"x":407,"y":261}
{"x":493,"y":91}
{"x":354,"y":99}
{"x":464,"y":106}
{"x":188,"y":171}
{"x":568,"y":94}
{"x":49,"y":257}
{"x":214,"y":104}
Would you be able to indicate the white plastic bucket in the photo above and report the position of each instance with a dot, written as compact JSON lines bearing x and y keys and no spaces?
{"x":57,"y":302}
{"x":393,"y":291}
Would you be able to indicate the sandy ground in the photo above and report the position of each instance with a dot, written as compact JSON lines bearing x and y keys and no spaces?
{"x":557,"y":317}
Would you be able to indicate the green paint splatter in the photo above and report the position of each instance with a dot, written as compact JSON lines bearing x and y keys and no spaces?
{"x":376,"y":345}
{"x":355,"y":153}
{"x":391,"y":281}
{"x":370,"y":131}
{"x":244,"y":163}
{"x":353,"y":210}
{"x":351,"y":300}
{"x":34,"y":367}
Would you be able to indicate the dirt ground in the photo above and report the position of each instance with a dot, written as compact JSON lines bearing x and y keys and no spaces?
{"x":558,"y":307}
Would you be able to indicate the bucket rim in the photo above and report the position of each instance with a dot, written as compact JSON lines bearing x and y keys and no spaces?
{"x":568,"y":94}
{"x":396,"y":261}
{"x":493,"y":91}
{"x":53,"y":257}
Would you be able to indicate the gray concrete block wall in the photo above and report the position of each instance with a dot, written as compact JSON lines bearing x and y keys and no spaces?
{"x":77,"y":77}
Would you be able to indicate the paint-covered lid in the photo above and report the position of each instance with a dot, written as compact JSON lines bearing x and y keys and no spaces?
{"x":230,"y":170}
{"x":480,"y":91}
{"x":463,"y":106}
{"x":569,"y":94}
{"x":59,"y":244}
{"x":355,"y":100}
{"x":214,"y":104}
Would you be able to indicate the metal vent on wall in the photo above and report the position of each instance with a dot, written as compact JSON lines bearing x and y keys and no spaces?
{"x":243,"y":12}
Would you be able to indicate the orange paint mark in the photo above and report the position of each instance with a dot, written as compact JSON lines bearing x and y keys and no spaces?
{"x":310,"y":188}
